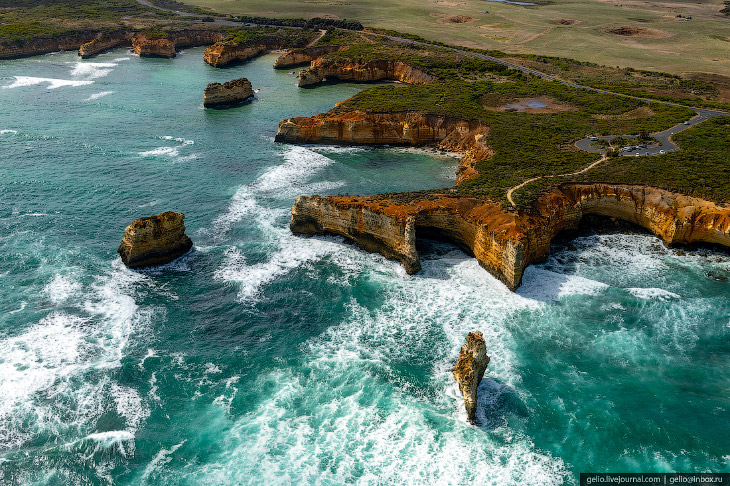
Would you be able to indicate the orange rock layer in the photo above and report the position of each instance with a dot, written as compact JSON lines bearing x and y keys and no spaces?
{"x":298,"y":57}
{"x":168,"y":46}
{"x":154,"y":240}
{"x":506,"y":242}
{"x":34,"y":47}
{"x":322,"y":69}
{"x":407,"y":128}
{"x":104,"y":42}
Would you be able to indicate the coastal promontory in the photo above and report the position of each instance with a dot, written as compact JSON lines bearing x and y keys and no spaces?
{"x":154,"y":240}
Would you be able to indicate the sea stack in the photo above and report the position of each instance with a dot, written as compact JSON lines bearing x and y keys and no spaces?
{"x":469,"y":370}
{"x":154,"y":240}
{"x":227,"y":94}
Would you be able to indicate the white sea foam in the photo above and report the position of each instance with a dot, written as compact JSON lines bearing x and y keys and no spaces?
{"x":348,"y":371}
{"x":96,"y":96}
{"x":544,"y":285}
{"x":8,"y":132}
{"x":92,"y":70}
{"x":159,"y":461}
{"x":653,"y":294}
{"x":23,"y":305}
{"x":151,"y":353}
{"x":130,"y":406}
{"x":61,"y":288}
{"x":289,"y":179}
{"x":171,"y":152}
{"x":49,"y":359}
{"x":21,"y":81}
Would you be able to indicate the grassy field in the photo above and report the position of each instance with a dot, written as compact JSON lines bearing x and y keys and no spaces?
{"x":662,"y":43}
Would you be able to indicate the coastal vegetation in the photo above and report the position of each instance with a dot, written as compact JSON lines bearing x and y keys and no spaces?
{"x":701,"y":168}
{"x":526,"y":145}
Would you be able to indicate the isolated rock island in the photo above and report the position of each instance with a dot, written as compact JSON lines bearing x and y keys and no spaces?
{"x":227,"y":94}
{"x":469,"y":370}
{"x":154,"y":240}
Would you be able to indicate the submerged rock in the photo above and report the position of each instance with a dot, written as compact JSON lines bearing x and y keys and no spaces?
{"x":469,"y":370}
{"x":232,"y":92}
{"x":154,"y":240}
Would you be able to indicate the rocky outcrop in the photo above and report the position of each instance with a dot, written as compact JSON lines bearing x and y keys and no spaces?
{"x":469,"y":370}
{"x":506,"y":242}
{"x":407,"y":128}
{"x":154,"y":240}
{"x":299,"y":57}
{"x":227,"y":94}
{"x":155,"y":47}
{"x":323,"y":69}
{"x":104,"y":42}
{"x":34,"y":47}
{"x":168,"y":45}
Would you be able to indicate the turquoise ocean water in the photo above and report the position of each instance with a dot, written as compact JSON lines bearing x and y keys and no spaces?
{"x":265,"y":358}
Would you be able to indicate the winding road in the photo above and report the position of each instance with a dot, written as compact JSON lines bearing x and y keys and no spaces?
{"x":663,"y":137}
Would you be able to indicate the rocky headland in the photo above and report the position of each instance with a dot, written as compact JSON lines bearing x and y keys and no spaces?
{"x":154,"y":240}
{"x":225,"y":53}
{"x":505,"y":241}
{"x":227,"y":94}
{"x":406,"y":128}
{"x":44,"y":45}
{"x":299,"y":57}
{"x":469,"y":370}
{"x":167,"y":46}
{"x":323,"y":69}
{"x":105,"y":41}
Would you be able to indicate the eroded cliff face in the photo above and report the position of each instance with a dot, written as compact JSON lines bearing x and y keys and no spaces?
{"x":222,"y":53}
{"x":34,"y":47}
{"x":322,"y":69}
{"x":167,"y":46}
{"x":299,"y":57}
{"x":104,"y":42}
{"x":506,"y":242}
{"x":154,"y":240}
{"x":226,"y":94}
{"x":406,"y":128}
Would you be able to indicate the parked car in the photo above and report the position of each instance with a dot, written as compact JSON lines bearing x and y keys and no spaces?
{"x":686,"y":123}
{"x":662,"y":152}
{"x":648,"y":153}
{"x":638,"y":154}
{"x":593,"y":139}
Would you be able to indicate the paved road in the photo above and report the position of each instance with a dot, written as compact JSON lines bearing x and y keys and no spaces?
{"x":704,"y":113}
{"x":664,"y":138}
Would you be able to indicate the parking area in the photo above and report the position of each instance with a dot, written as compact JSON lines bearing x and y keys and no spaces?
{"x":662,"y":145}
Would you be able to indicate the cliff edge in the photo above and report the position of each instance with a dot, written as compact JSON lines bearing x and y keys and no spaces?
{"x":506,"y":242}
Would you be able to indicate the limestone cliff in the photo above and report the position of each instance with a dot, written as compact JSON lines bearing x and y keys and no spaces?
{"x":506,"y":242}
{"x":34,"y":47}
{"x":406,"y":128}
{"x":168,"y":46}
{"x":156,"y":47}
{"x":104,"y":42}
{"x":469,"y":370}
{"x":224,"y":53}
{"x":154,"y":240}
{"x":322,"y":69}
{"x":226,"y":94}
{"x":298,"y":57}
